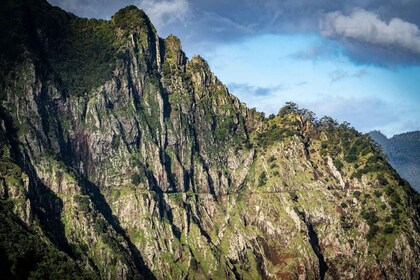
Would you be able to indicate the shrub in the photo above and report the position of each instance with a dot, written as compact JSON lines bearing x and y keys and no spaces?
{"x":356,"y":194}
{"x":83,"y":203}
{"x":338,"y":164}
{"x":271,"y":159}
{"x":388,"y":229}
{"x":395,"y":215}
{"x":136,"y":179}
{"x":370,"y":217}
{"x":343,"y":205}
{"x":248,"y":145}
{"x":351,"y":155}
{"x":392,"y":204}
{"x":345,"y":224}
{"x":382,"y":181}
{"x":294,"y":196}
{"x":396,"y":198}
{"x":262,"y":179}
{"x":372,"y":232}
{"x":389,"y":190}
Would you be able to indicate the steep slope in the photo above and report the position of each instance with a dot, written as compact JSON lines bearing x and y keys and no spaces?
{"x":136,"y":162}
{"x":403,"y":151}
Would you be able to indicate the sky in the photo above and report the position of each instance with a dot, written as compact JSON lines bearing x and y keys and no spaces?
{"x":356,"y":60}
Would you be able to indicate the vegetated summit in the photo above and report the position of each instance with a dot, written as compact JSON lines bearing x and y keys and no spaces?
{"x":122,"y":158}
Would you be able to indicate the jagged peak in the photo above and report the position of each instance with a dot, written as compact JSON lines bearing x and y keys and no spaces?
{"x":200,"y":61}
{"x":173,"y":51}
{"x":172,"y":42}
{"x":131,"y":9}
{"x":131,"y":17}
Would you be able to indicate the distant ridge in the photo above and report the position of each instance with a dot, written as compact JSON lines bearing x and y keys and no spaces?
{"x":403,"y":151}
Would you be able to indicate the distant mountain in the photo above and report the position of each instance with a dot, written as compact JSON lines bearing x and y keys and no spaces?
{"x":403,"y":151}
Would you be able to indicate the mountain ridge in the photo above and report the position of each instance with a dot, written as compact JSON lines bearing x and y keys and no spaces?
{"x":125,"y":159}
{"x":403,"y":153}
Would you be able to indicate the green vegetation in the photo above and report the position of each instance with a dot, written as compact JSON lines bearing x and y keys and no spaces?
{"x":139,"y":177}
{"x":181,"y":169}
{"x":130,"y":18}
{"x":274,"y":134}
{"x":82,"y":53}
{"x":370,"y":217}
{"x":26,"y":255}
{"x":338,"y":164}
{"x":373,"y":230}
{"x":85,"y":57}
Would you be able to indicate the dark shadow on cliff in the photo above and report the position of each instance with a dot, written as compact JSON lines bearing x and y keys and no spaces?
{"x":103,"y":207}
{"x":45,"y":204}
{"x":314,"y":241}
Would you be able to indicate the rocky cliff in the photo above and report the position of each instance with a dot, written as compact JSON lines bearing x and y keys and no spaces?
{"x":403,"y":152}
{"x":122,"y":158}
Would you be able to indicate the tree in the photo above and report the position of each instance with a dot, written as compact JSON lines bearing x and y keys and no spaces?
{"x":289,"y":107}
{"x":327,"y":123}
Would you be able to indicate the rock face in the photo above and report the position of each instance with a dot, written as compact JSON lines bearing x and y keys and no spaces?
{"x":121,"y":158}
{"x":403,"y":151}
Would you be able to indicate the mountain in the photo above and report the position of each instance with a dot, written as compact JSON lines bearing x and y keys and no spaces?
{"x":121,"y":158}
{"x":403,"y":152}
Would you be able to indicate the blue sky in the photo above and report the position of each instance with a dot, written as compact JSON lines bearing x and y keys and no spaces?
{"x":356,"y":61}
{"x":268,"y":70}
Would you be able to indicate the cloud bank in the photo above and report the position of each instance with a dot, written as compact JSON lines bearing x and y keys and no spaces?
{"x":367,"y":27}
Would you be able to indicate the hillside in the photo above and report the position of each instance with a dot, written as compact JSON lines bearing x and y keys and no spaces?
{"x":403,"y":152}
{"x":121,"y":158}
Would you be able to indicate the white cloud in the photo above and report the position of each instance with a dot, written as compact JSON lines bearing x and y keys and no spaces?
{"x":164,"y":12}
{"x":367,"y":27}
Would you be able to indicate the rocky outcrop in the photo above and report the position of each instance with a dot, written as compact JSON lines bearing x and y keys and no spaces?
{"x":137,"y":162}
